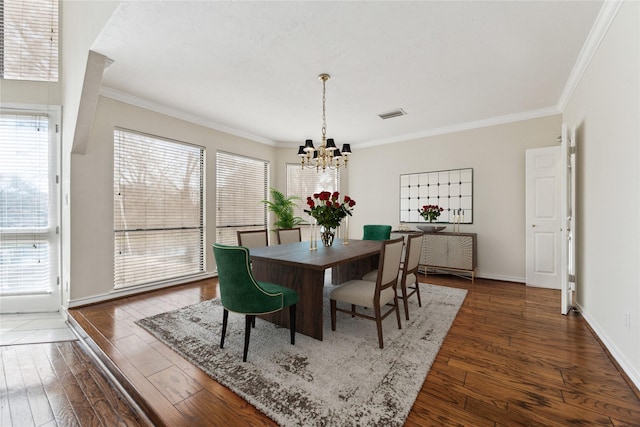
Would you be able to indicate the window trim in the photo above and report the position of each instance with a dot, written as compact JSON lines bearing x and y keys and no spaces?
{"x":51,"y":299}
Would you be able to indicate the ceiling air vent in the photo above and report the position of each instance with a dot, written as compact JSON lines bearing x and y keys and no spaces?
{"x":391,"y":114}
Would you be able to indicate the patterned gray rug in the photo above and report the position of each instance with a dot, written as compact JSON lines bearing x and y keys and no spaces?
{"x":345,"y":380}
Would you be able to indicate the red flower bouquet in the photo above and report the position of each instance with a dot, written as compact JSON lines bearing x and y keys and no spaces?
{"x":430,"y":212}
{"x":327,"y":208}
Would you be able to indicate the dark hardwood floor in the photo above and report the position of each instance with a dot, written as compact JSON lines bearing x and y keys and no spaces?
{"x":58,"y":384}
{"x":509,"y":359}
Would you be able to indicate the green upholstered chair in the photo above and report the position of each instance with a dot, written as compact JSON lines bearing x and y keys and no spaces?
{"x":376,"y":232}
{"x":361,"y":293}
{"x":241,"y":293}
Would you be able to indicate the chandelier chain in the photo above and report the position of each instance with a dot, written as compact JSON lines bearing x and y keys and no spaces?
{"x":324,"y":108}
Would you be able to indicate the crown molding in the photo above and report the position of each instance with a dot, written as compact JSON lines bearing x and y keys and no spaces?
{"x":178,"y":114}
{"x":598,"y":31}
{"x":172,"y":112}
{"x":493,"y":121}
{"x":596,"y":35}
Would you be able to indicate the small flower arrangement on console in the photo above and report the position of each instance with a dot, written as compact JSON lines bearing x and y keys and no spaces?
{"x":328,"y":211}
{"x":430,"y":212}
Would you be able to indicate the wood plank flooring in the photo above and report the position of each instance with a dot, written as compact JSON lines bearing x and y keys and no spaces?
{"x":57,"y":384}
{"x":509,"y":359}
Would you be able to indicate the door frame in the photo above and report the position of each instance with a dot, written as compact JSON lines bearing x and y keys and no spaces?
{"x":568,"y":151}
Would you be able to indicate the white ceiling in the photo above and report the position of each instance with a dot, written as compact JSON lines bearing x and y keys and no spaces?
{"x":251,"y":67}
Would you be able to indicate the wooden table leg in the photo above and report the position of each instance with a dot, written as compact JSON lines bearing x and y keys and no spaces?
{"x":308,"y":283}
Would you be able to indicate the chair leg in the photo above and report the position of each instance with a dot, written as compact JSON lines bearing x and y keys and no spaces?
{"x":379,"y":325}
{"x":353,"y":310}
{"x":405,"y":301}
{"x":397,"y":310}
{"x":292,"y":323}
{"x":249,"y":319}
{"x":225,"y":317}
{"x":418,"y":292}
{"x":332,"y":303}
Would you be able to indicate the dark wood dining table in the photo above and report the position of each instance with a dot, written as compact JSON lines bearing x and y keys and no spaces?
{"x":298,"y":268}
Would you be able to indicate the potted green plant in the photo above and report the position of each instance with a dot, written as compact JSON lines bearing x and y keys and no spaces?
{"x":283,"y":208}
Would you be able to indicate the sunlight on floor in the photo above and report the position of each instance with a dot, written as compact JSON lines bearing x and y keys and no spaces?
{"x":31,"y":328}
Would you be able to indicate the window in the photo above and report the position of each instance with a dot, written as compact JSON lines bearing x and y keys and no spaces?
{"x":28,"y":219}
{"x":158,"y":209}
{"x":306,"y":182}
{"x":241,"y":183}
{"x":29,"y":40}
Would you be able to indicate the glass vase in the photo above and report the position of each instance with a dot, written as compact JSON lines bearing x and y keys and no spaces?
{"x":327,"y":235}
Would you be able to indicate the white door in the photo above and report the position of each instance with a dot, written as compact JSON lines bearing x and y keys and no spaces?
{"x":543,"y":217}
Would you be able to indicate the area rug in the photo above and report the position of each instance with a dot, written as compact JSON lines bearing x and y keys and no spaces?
{"x":344,"y":380}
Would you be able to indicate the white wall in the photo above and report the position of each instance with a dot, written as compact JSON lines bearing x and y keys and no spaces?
{"x":605,"y":109}
{"x":497,"y":156}
{"x":92,"y":190}
{"x":29,"y":92}
{"x":495,"y":153}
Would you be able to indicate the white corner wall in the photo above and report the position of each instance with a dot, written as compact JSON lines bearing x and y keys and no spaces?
{"x":605,"y":110}
{"x":497,"y":156}
{"x":81,"y":22}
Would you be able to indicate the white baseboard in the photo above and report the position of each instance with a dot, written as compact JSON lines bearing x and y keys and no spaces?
{"x":501,"y":278}
{"x":467,"y":274}
{"x":119,"y":293}
{"x":631,"y":372}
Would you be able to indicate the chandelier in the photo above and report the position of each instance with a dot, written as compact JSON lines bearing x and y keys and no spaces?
{"x":327,"y":155}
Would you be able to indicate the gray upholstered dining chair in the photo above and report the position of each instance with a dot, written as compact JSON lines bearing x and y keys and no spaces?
{"x":361,"y":293}
{"x":241,"y":293}
{"x":408,"y":275}
{"x":288,"y":235}
{"x":253,"y":238}
{"x":376,"y":232}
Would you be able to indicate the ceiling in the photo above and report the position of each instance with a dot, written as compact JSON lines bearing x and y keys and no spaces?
{"x":250,"y":68}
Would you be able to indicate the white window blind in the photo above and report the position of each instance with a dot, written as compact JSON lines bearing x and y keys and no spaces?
{"x":306,"y":182}
{"x":25,"y":187}
{"x":158,"y":209}
{"x":29,"y":40}
{"x":241,"y":183}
